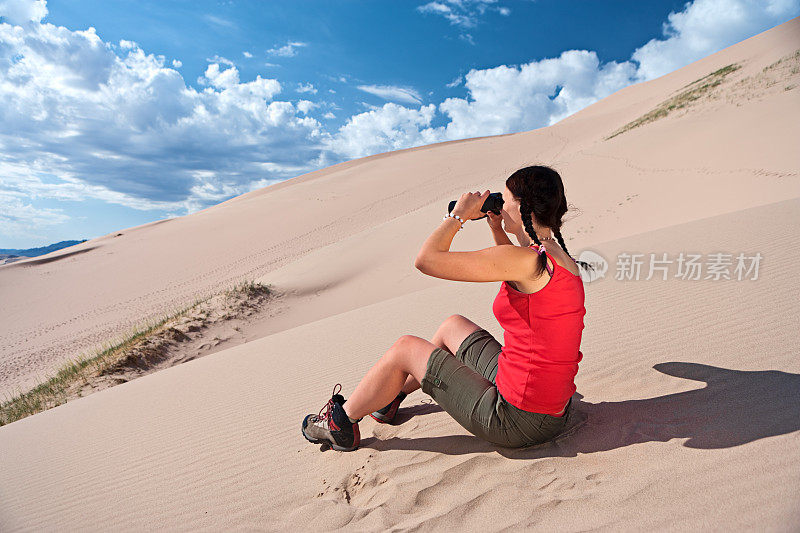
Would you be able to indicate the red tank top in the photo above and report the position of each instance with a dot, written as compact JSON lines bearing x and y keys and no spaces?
{"x":542,"y":336}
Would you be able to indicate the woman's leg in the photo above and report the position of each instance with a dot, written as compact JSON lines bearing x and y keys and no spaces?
{"x":450,"y":335}
{"x":407,"y":358}
{"x":410,"y":385}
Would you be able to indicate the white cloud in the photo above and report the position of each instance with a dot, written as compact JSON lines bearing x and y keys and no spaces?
{"x":288,"y":50}
{"x":220,"y":22}
{"x":307,"y":88}
{"x":461,"y":13}
{"x":85,"y":119}
{"x":21,"y":12}
{"x":454,"y":83}
{"x":390,"y":127}
{"x":444,"y":10}
{"x":222,"y":79}
{"x":177,"y":63}
{"x":705,"y":27}
{"x":247,"y":54}
{"x":304,"y":106}
{"x":507,"y":99}
{"x":34,"y":182}
{"x":20,"y":219}
{"x":221,"y":60}
{"x":390,"y":92}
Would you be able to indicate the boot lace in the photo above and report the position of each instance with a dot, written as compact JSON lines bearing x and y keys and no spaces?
{"x":328,"y":407}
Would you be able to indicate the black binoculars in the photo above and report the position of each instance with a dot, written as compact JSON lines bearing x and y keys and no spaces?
{"x":493,"y":203}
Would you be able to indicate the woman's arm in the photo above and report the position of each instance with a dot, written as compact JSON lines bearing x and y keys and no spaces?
{"x":496,"y":227}
{"x":523,"y":238}
{"x":500,"y":236}
{"x":498,"y":224}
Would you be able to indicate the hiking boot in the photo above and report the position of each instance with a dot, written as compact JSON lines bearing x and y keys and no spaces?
{"x":386,"y":415}
{"x":334,"y":427}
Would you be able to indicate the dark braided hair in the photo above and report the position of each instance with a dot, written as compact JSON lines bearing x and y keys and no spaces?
{"x":541,"y":194}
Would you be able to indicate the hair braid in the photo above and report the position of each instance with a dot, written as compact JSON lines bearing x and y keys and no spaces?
{"x":540,"y":192}
{"x":560,"y":239}
{"x":526,"y":212}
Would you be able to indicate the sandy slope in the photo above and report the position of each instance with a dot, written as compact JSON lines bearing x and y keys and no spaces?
{"x":690,"y":389}
{"x":718,"y":158}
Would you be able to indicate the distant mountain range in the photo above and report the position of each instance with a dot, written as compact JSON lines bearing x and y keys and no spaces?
{"x":9,"y":255}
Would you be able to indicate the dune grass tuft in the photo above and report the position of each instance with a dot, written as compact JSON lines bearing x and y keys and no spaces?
{"x":697,"y":89}
{"x":140,"y":348}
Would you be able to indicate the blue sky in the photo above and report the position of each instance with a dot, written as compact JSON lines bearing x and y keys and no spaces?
{"x":119,"y":113}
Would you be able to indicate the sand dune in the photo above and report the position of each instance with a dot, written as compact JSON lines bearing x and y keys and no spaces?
{"x":384,"y":205}
{"x":689,"y":392}
{"x":682,"y":413}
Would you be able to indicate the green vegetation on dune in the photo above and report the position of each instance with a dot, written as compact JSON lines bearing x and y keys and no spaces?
{"x":695,"y":91}
{"x":142,"y":349}
{"x":794,"y":58}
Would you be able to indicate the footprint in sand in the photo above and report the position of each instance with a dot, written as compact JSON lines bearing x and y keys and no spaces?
{"x":388,"y":431}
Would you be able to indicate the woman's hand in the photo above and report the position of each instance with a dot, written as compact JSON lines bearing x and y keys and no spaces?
{"x":469,"y":205}
{"x":495,"y":221}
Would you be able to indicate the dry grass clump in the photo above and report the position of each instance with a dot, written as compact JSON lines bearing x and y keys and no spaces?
{"x":792,"y":62}
{"x":696,"y":90}
{"x":139,"y":352}
{"x":784,"y":72}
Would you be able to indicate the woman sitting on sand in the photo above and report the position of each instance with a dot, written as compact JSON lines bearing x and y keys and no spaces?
{"x":514,"y":395}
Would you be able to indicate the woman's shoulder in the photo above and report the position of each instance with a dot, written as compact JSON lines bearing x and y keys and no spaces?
{"x":558,"y":255}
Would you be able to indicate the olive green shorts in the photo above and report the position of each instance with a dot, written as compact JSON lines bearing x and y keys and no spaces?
{"x":463,"y":385}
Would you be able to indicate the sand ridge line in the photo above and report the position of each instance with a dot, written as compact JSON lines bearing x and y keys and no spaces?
{"x":188,"y":334}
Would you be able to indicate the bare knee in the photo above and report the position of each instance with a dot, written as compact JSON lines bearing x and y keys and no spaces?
{"x":454,"y":318}
{"x":410,"y":354}
{"x":449,"y":322}
{"x":401,"y":343}
{"x":399,"y":346}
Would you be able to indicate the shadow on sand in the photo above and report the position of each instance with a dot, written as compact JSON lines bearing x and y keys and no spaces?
{"x":735,"y":407}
